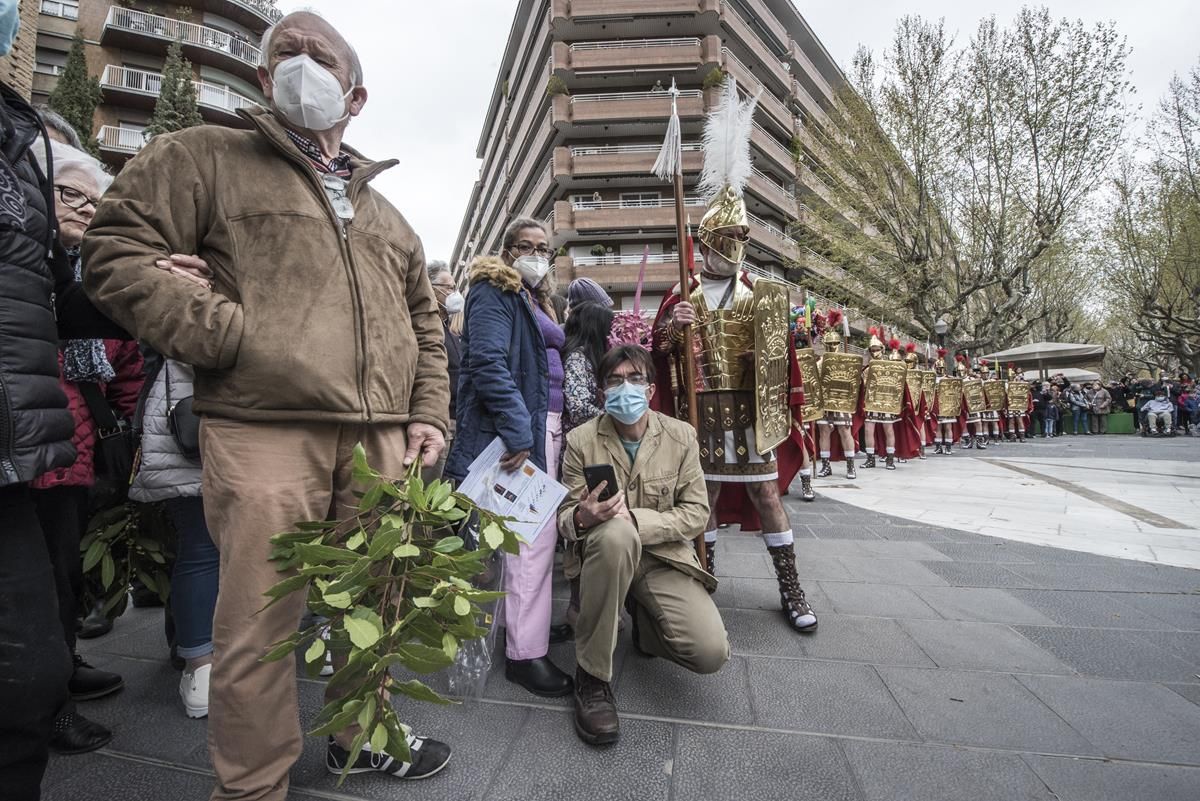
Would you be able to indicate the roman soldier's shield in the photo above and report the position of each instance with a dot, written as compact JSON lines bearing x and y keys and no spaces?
{"x":771,"y":366}
{"x":813,"y":408}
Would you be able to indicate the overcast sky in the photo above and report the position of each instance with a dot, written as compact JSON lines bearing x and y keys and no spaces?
{"x":430,"y":69}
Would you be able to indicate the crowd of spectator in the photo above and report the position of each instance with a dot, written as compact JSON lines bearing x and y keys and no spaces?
{"x":1162,"y":407}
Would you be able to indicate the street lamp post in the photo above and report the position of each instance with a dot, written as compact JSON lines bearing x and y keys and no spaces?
{"x":940,"y":328}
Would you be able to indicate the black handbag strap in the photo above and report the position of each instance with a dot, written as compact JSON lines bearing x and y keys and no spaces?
{"x":102,"y":413}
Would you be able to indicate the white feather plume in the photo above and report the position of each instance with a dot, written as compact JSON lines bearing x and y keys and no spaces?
{"x":727,"y":143}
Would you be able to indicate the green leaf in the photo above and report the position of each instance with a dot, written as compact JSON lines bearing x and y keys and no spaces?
{"x":317,"y":554}
{"x":280,"y":650}
{"x":356,"y":540}
{"x":108,"y":570}
{"x":462,"y":607}
{"x":366,"y":715}
{"x":397,"y":747}
{"x":338,"y":600}
{"x":363,"y":633}
{"x":448,"y":545}
{"x":426,"y":602}
{"x":493,"y":535}
{"x":286,"y":587}
{"x":422,"y":658}
{"x":361,"y":470}
{"x":379,"y":738}
{"x":315,"y":651}
{"x":450,"y":645}
{"x":406,"y":550}
{"x":417,"y":690}
{"x":92,"y":557}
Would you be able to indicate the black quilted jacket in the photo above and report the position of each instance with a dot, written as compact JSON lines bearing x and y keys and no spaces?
{"x":35,"y":426}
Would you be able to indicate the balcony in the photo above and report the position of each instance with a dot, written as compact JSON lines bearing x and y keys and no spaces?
{"x":772,"y":63}
{"x":811,"y":108}
{"x":613,"y":9}
{"x":682,"y":53}
{"x":620,"y":273}
{"x":609,"y":215}
{"x":767,"y":188}
{"x":140,"y":89}
{"x":137,"y":30}
{"x":616,"y":160}
{"x":125,"y":141}
{"x":774,"y":108}
{"x":256,"y":15}
{"x":631,"y":107}
{"x":776,"y":153}
{"x":768,"y":236}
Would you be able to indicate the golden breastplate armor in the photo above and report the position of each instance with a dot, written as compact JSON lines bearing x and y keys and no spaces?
{"x":724,"y":336}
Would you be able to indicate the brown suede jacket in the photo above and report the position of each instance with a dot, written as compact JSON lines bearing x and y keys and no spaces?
{"x":307,"y":320}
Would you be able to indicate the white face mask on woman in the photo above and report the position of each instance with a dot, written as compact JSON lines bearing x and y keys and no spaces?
{"x":532,"y":268}
{"x":454,"y":303}
{"x":308,"y":95}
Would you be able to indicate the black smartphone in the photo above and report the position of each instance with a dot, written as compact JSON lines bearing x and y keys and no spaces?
{"x":596,"y":474}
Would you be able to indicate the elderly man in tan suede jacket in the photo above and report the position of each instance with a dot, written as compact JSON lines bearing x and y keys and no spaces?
{"x":318,"y":330}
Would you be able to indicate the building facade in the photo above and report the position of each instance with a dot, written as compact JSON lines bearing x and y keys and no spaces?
{"x":579,"y":112}
{"x":126,"y":45}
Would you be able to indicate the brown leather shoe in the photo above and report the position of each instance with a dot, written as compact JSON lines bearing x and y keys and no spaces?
{"x":596,"y":720}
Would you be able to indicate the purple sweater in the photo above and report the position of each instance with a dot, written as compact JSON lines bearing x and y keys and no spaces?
{"x":555,"y":340}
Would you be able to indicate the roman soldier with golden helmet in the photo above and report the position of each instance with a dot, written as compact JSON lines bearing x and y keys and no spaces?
{"x":1020,"y":403}
{"x":841,"y":385}
{"x":882,"y":398}
{"x":745,"y":368}
{"x":975,"y":403}
{"x":947,"y":407}
{"x":995,"y":398}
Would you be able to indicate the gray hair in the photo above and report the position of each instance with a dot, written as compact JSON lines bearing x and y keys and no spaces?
{"x":57,"y":123}
{"x":68,"y":159}
{"x":264,"y":51}
{"x":517,"y":226}
{"x":436,"y":268}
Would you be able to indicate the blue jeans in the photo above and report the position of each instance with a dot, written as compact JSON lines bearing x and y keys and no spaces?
{"x":1079,"y":419}
{"x":1051,"y":424}
{"x":194,"y":580}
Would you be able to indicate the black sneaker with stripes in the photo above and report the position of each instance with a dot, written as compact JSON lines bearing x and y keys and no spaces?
{"x":429,"y":756}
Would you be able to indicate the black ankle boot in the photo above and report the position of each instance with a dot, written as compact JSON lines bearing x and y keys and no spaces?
{"x":826,"y":470}
{"x":88,"y":683}
{"x":539,"y":676}
{"x":850,"y":468}
{"x":806,"y":489}
{"x":937,"y":449}
{"x":795,"y":608}
{"x":869,"y":462}
{"x":890,"y":462}
{"x":980,"y":444}
{"x":75,"y":734}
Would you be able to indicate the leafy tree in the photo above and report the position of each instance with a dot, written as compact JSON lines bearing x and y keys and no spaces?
{"x":176,"y":107}
{"x":77,"y":94}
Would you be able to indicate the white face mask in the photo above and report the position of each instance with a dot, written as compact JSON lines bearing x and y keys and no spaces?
{"x":532,"y":268}
{"x":454,"y":303}
{"x":308,"y":95}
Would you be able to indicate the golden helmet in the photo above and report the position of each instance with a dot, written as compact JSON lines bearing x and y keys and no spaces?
{"x":832,"y":338}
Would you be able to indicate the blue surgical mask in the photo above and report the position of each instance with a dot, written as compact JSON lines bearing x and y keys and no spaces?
{"x":626,"y":403}
{"x":10,"y":21}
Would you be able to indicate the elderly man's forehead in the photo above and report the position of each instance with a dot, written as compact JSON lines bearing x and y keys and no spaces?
{"x":311,"y":29}
{"x":79,"y":179}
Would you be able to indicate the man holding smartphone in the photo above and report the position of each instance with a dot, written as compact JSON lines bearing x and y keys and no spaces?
{"x":635,"y":547}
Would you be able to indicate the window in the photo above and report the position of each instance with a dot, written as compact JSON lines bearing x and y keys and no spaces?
{"x":633,"y":200}
{"x":586,"y":202}
{"x":47,"y":68}
{"x":67,"y":9}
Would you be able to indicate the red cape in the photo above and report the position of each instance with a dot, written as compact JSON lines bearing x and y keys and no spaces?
{"x":734,"y":505}
{"x":908,"y":435}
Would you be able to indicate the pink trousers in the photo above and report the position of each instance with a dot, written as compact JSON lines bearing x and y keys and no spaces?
{"x":528,"y":575}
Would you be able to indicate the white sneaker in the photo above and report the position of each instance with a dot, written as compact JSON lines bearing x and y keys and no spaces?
{"x":193,"y":689}
{"x":327,"y":667}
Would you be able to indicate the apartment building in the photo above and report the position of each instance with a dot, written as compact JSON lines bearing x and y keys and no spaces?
{"x":126,"y":45}
{"x":579,"y":111}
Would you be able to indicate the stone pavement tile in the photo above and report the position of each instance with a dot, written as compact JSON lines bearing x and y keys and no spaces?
{"x":834,"y":532}
{"x":876,"y":600}
{"x":1087,"y":609}
{"x":661,"y":688}
{"x":1180,"y":611}
{"x":738,"y":543}
{"x":546,"y":761}
{"x":999,"y":552}
{"x":476,"y":731}
{"x":764,"y":766}
{"x":138,"y":632}
{"x":1092,"y":780}
{"x":1109,"y":654}
{"x":757,"y":633}
{"x":877,"y":549}
{"x":147,"y":717}
{"x":874,"y":570}
{"x":763,"y":593}
{"x":983,"y":604}
{"x":863,"y":639}
{"x":825,"y":697}
{"x":561,"y":654}
{"x":980,"y":646}
{"x":1130,"y":720}
{"x":900,"y":772}
{"x":983,"y":709}
{"x":1184,"y":644}
{"x":99,"y":777}
{"x":744,"y":565}
{"x":930,"y":535}
{"x":1120,"y":576}
{"x":1188,"y":691}
{"x":978,"y":574}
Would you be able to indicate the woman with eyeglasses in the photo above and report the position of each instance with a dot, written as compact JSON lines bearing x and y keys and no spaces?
{"x":91,"y":372}
{"x":511,"y":386}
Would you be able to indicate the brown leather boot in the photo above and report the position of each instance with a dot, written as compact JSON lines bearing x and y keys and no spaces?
{"x":596,"y":720}
{"x":791,"y":598}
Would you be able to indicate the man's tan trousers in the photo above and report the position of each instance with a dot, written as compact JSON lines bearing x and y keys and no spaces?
{"x":677,"y":618}
{"x":259,"y":480}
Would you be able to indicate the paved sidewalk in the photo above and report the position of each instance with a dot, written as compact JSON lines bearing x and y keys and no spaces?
{"x":948,"y":666}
